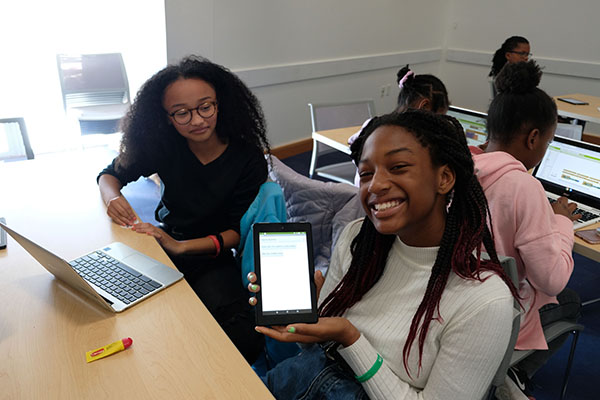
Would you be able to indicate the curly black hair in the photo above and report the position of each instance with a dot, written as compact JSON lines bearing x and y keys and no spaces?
{"x":417,"y":87}
{"x":500,"y":55}
{"x":520,"y":105}
{"x":147,"y":132}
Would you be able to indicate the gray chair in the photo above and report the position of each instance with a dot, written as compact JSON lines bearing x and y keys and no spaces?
{"x":552,"y":332}
{"x":14,"y":134}
{"x":95,"y":89}
{"x":332,"y":116}
{"x":510,"y":268}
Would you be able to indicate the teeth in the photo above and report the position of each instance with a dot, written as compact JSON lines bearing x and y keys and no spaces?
{"x":386,"y":205}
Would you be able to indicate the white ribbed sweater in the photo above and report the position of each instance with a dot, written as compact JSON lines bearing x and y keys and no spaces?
{"x":461,"y":354}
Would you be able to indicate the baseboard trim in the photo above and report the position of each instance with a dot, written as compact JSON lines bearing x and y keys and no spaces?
{"x":292,"y":149}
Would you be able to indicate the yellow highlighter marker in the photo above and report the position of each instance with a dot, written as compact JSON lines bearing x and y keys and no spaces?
{"x":107,"y":350}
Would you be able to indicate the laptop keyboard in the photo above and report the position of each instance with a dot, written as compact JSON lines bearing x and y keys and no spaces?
{"x":114,"y":277}
{"x":585,"y":215}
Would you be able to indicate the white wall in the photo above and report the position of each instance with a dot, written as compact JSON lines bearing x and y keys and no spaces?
{"x":564,"y":38}
{"x":294,"y":52}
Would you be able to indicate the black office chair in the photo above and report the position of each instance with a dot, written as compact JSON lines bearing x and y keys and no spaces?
{"x":15,"y":135}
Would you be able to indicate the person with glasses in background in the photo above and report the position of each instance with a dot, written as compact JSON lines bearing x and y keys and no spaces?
{"x":514,"y":49}
{"x":203,"y":132}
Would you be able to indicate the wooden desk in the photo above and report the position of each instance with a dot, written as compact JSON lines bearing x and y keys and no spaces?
{"x":588,"y":112}
{"x":585,"y":249}
{"x":178,"y":351}
{"x":336,"y":138}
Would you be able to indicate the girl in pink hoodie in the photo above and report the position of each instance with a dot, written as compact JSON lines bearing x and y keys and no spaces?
{"x":539,"y":235}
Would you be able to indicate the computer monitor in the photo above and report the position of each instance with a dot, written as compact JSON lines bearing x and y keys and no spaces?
{"x":473,"y":123}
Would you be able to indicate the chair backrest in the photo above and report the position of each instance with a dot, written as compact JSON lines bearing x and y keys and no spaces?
{"x":92,"y":79}
{"x":14,"y":141}
{"x":510,"y":268}
{"x":340,"y":115}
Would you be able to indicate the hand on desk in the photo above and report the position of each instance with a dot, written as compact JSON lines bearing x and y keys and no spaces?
{"x":171,"y":245}
{"x":120,"y":211}
{"x":338,"y":329}
{"x":562,"y":207}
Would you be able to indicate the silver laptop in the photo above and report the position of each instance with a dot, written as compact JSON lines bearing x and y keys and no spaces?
{"x":571,"y":168}
{"x":473,"y":123}
{"x":116,"y":276}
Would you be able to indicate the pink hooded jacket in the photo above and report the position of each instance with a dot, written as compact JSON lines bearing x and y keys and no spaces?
{"x":526,"y":228}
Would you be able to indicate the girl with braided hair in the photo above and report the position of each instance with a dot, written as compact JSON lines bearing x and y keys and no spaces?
{"x":419,"y":92}
{"x":202,"y":130}
{"x":538,"y":235}
{"x":408,"y":309}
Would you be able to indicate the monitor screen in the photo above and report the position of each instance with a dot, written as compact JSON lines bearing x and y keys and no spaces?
{"x":572,"y":166}
{"x":473,"y":123}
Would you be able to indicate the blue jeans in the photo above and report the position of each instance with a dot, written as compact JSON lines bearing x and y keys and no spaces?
{"x":313,"y":375}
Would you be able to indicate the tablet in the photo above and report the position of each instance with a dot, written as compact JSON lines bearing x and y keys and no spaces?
{"x":284,"y":267}
{"x":573,"y":101}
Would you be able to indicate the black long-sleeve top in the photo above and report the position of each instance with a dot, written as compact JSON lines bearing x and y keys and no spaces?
{"x":198,"y":200}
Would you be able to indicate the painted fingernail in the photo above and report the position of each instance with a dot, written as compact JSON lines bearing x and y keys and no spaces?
{"x":250,"y":276}
{"x":252,"y":301}
{"x":291,"y":329}
{"x":253,"y":287}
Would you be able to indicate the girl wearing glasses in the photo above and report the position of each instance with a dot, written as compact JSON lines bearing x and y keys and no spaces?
{"x":202,"y":130}
{"x":514,"y":49}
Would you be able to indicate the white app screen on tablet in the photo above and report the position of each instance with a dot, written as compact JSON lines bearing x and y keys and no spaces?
{"x":285,"y":272}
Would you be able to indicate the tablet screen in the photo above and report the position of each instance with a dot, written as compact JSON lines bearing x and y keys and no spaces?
{"x":285,"y":273}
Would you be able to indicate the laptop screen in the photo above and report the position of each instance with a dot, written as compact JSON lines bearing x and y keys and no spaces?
{"x":570,"y":166}
{"x":473,"y":123}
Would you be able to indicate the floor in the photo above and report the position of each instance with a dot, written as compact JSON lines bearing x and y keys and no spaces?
{"x":583,"y":384}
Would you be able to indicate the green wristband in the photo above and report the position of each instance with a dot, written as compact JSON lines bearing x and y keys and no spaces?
{"x":372,"y":371}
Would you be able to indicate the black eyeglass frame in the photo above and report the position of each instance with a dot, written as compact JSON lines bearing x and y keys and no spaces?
{"x":197,"y":109}
{"x":521,"y":53}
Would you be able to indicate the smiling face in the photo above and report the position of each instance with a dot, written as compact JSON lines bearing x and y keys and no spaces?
{"x":187,"y":94}
{"x":401,"y":190}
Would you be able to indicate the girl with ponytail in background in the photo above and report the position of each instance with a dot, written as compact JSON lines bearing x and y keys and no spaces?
{"x":418,"y":92}
{"x":408,"y":309}
{"x":514,"y":49}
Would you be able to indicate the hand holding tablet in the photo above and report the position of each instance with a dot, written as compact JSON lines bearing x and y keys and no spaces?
{"x":285,"y":286}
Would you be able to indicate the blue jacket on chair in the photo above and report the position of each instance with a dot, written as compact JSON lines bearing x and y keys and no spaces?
{"x":268,"y":206}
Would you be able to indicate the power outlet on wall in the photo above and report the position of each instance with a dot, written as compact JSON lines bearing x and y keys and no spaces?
{"x":385,"y":90}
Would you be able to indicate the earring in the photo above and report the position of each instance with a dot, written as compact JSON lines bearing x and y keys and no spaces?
{"x":449,"y":199}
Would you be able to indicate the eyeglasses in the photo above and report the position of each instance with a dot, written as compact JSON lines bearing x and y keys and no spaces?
{"x":184,"y":116}
{"x":521,"y":53}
